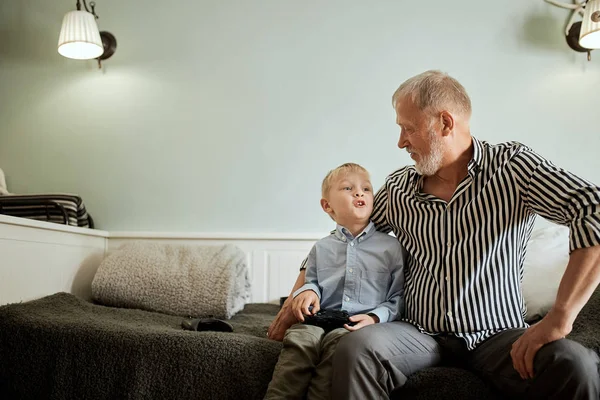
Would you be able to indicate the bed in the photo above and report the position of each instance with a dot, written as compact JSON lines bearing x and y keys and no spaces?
{"x":62,"y":208}
{"x":63,"y":347}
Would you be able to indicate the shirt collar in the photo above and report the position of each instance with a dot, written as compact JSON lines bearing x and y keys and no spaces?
{"x":476,"y":163}
{"x":474,"y":166}
{"x":345,"y":236}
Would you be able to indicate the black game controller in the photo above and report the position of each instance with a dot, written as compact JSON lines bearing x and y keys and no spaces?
{"x":329,"y":319}
{"x":206,"y":324}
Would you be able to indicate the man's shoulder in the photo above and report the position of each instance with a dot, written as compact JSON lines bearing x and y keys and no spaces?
{"x":402,"y":176}
{"x":505,"y":148}
{"x":494,"y":155}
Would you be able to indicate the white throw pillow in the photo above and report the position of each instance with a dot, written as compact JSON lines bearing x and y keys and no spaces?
{"x":545,"y":263}
{"x":3,"y":188}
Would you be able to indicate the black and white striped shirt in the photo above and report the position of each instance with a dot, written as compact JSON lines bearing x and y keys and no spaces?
{"x":465,"y":256}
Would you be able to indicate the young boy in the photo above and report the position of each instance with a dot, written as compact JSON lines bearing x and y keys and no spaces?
{"x":355,"y":269}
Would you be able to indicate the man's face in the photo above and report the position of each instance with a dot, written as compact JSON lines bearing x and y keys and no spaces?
{"x":419,"y":137}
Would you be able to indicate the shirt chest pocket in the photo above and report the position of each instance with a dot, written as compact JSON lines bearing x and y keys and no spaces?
{"x":373,"y":287}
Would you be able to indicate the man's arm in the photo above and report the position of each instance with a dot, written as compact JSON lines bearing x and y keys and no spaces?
{"x":566,"y":199}
{"x":379,"y":214}
{"x":579,"y":281}
{"x":285,"y":318}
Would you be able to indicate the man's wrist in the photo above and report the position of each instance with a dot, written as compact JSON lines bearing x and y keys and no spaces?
{"x":562,"y":319}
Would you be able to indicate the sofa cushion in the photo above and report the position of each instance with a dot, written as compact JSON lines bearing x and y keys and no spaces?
{"x":545,"y":262}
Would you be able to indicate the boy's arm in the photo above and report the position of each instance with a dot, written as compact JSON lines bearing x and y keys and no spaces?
{"x":394,"y":305}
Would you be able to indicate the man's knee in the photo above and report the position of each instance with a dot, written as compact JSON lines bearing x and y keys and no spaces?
{"x":351,"y":346}
{"x":570,"y":360}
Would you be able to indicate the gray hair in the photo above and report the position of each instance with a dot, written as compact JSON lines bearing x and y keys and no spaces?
{"x":434,"y":91}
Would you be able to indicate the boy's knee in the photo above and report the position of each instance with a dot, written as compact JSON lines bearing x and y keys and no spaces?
{"x":303,"y":334}
{"x":333,"y":337}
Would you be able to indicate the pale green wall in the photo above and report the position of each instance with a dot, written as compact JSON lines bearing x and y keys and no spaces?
{"x":223,"y":116}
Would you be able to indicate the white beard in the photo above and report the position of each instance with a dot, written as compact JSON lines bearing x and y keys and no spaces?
{"x":431,"y":163}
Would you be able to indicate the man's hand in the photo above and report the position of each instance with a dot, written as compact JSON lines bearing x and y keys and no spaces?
{"x":302,"y":302}
{"x":284,"y":319}
{"x":361,"y":320}
{"x":549,"y":329}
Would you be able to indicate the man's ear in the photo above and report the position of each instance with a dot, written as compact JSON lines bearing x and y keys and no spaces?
{"x":325,"y":206}
{"x":447,"y":120}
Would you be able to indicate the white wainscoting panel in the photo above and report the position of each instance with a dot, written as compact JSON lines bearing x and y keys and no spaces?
{"x":273,"y":260}
{"x":42,"y":258}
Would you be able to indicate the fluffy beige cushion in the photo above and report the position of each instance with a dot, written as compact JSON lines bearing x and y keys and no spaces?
{"x":174,"y":279}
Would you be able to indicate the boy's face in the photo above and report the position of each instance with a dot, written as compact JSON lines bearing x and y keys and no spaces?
{"x":350,"y":199}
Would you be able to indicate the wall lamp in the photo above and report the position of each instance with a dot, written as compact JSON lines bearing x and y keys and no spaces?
{"x":80,"y":38}
{"x":584,"y":35}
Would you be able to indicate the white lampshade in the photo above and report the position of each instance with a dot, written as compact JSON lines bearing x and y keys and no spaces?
{"x":590,"y":26}
{"x":79,"y":36}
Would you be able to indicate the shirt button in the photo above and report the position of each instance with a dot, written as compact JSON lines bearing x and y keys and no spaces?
{"x":351,"y":243}
{"x":347,"y":298}
{"x":448,"y":244}
{"x":447,"y":279}
{"x":350,"y":270}
{"x":449,"y":314}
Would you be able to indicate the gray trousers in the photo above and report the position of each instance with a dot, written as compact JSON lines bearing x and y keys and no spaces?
{"x":303,"y":370}
{"x":374,"y":360}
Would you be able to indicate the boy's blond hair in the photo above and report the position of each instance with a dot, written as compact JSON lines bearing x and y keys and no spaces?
{"x":336,"y":173}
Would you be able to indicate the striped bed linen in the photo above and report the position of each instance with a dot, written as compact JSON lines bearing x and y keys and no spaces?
{"x":61,"y":208}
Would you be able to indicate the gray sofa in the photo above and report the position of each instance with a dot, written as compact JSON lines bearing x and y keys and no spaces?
{"x":63,"y":347}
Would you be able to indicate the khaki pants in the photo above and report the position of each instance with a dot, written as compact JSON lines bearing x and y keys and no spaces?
{"x":304,"y":366}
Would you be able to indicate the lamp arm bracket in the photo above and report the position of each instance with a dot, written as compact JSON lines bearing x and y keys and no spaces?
{"x":572,"y":19}
{"x":92,"y":6}
{"x":577,"y":8}
{"x":564,"y":5}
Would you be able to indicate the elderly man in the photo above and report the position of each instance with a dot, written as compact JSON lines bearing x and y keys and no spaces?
{"x":464,"y":213}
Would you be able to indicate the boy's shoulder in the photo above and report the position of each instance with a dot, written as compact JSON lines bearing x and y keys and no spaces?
{"x":326,"y":239}
{"x":385,"y":238}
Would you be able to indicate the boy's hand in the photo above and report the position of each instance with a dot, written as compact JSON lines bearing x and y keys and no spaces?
{"x":361,"y":320}
{"x":302,"y":302}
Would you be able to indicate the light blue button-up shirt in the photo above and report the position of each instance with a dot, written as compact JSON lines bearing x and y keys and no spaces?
{"x":362,"y":274}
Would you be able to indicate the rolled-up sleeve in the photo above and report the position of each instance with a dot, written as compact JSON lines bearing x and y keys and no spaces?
{"x":559,"y":196}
